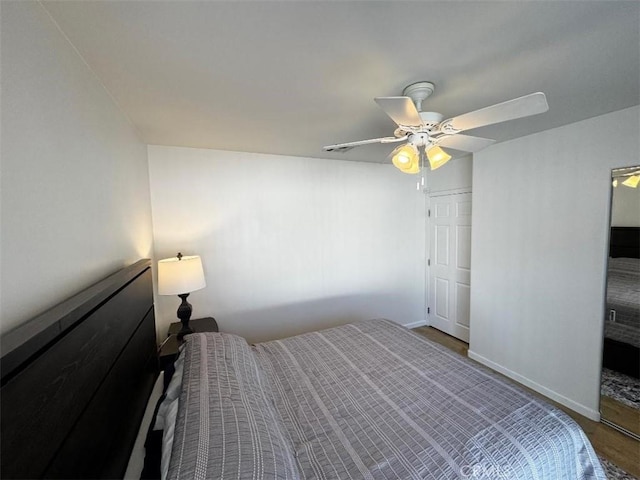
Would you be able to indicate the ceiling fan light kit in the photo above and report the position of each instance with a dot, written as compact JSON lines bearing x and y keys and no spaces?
{"x":429,"y":132}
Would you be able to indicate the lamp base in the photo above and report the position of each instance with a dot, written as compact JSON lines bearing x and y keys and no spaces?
{"x":184,"y":314}
{"x":185,"y":330}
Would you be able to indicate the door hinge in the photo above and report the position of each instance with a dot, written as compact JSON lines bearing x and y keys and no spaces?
{"x":428,"y":310}
{"x":428,"y":262}
{"x":428,"y":212}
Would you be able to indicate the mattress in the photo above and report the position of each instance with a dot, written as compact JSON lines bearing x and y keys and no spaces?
{"x":366,"y":400}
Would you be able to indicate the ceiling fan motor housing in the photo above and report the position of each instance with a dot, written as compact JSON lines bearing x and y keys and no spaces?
{"x":418,"y":92}
{"x":431,"y":120}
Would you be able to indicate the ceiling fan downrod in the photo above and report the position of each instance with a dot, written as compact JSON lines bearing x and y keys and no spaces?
{"x":418,"y":92}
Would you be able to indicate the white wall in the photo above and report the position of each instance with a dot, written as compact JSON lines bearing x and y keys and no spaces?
{"x":539,"y":248}
{"x":289,"y":244}
{"x":625,"y":207}
{"x":455,"y":175}
{"x":74,"y":199}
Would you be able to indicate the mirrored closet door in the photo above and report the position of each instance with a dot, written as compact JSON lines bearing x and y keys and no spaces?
{"x":620,"y":382}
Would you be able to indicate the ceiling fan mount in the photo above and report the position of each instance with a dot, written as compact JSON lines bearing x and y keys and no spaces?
{"x":418,"y":92}
{"x":429,"y":130}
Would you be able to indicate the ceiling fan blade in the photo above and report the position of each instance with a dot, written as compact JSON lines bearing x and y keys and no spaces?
{"x":343,"y":147}
{"x":401,"y":110}
{"x":466,"y":143}
{"x":531,"y":104}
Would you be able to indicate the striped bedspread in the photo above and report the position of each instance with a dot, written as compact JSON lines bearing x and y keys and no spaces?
{"x":369,"y":400}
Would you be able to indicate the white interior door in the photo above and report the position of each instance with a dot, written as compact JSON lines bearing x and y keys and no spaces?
{"x":450,"y":264}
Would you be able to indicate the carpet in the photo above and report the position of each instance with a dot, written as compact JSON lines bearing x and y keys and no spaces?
{"x":614,"y":472}
{"x":620,"y":387}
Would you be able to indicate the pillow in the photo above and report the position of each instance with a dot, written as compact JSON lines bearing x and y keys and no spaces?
{"x":226,"y":425}
{"x":168,"y":412}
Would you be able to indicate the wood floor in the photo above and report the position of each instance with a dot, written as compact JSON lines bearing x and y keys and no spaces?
{"x":617,"y":447}
{"x":620,"y":414}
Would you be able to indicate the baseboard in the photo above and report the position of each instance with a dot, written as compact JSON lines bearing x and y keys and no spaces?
{"x":419,"y":323}
{"x":567,"y":402}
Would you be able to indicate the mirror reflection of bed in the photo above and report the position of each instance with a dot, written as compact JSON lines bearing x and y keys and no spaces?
{"x":620,"y":386}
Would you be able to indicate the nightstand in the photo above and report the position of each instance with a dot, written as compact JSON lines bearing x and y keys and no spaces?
{"x":198,"y":325}
{"x":170,"y":349}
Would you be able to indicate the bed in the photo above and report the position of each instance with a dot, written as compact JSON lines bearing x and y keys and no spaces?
{"x":622,"y":321}
{"x":368,"y":400}
{"x":76,"y":380}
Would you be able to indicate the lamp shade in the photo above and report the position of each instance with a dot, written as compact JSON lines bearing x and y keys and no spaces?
{"x":632,"y":181}
{"x":437,"y":157}
{"x":178,"y":276}
{"x":406,"y":158}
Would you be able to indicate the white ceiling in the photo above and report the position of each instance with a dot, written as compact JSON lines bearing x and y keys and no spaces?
{"x":289,"y":77}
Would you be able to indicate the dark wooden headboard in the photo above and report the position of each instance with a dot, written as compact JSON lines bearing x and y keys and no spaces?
{"x":76,"y":380}
{"x":624,"y":242}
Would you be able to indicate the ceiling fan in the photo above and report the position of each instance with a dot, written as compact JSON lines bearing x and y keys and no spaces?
{"x":429,"y":130}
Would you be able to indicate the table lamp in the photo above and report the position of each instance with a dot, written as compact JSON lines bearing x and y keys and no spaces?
{"x":180,"y":276}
